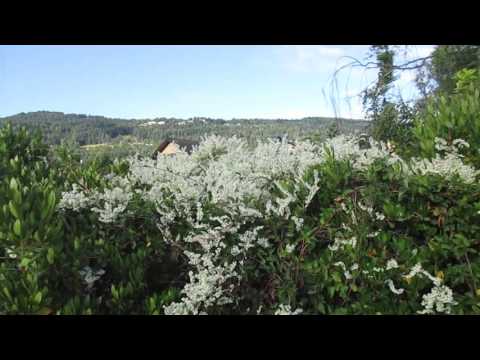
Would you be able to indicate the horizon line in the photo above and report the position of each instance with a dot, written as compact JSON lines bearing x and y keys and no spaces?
{"x":184,"y":118}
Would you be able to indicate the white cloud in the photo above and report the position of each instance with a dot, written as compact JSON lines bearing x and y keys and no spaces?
{"x":425,"y":50}
{"x":355,"y":110}
{"x":349,"y":108}
{"x":307,"y":58}
{"x":352,"y":93}
{"x":406,"y":77}
{"x":415,"y":52}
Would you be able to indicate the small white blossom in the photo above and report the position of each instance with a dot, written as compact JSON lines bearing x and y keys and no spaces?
{"x":417,"y":269}
{"x":235,"y":250}
{"x":379,"y":216}
{"x":287,"y":310}
{"x":90,"y":276}
{"x":11,"y":254}
{"x":392,"y":264}
{"x":289,"y":248}
{"x":339,"y":243}
{"x":346,"y":273}
{"x":263,"y":242}
{"x":458,"y":143}
{"x":393,"y":289}
{"x":414,"y":271}
{"x":298,"y":222}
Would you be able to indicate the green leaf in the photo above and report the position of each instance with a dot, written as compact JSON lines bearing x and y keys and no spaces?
{"x":321,"y":308}
{"x":114,"y":292}
{"x":13,"y":185}
{"x":7,"y":293}
{"x":49,"y":206}
{"x":50,"y":256}
{"x":14,"y":210}
{"x":51,"y":200}
{"x":24,"y":262}
{"x":38,"y":297}
{"x":17,"y":227}
{"x":17,"y":196}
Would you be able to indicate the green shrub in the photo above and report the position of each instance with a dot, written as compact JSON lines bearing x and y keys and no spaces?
{"x":451,"y":117}
{"x":344,"y":229}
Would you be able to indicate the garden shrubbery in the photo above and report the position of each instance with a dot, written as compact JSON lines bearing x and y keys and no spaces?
{"x":346,"y":227}
{"x":338,"y":229}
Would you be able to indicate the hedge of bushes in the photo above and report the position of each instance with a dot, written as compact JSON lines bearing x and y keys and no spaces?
{"x":345,"y":228}
{"x":351,"y":226}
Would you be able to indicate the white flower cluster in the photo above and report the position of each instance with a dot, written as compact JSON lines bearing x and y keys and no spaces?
{"x":393,"y":289}
{"x":228,"y":174}
{"x":346,"y":147}
{"x":298,"y":223}
{"x":440,"y":300}
{"x":75,"y":199}
{"x":206,"y":286}
{"x":281,"y":207}
{"x":377,"y":215}
{"x":248,"y":240}
{"x":115,"y":202}
{"x":108,"y":204}
{"x":447,"y":161}
{"x":211,"y":283}
{"x":90,"y":276}
{"x":312,"y":188}
{"x":373,"y":235}
{"x":456,"y":147}
{"x":446,"y":165}
{"x":392,"y":264}
{"x":418,"y":270}
{"x":11,"y":253}
{"x":341,"y":243}
{"x":347,"y":273}
{"x":287,"y":310}
{"x":289,"y":248}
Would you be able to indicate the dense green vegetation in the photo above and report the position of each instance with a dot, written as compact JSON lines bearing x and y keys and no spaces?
{"x":117,"y":138}
{"x":347,"y":226}
{"x":83,"y":130}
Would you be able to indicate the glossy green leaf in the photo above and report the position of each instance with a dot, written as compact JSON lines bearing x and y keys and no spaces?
{"x":17,"y":228}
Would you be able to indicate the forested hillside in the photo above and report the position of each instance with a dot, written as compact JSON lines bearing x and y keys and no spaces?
{"x":87,"y":129}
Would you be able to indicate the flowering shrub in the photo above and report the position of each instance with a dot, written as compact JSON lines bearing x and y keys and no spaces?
{"x":348,"y":227}
{"x":456,"y":116}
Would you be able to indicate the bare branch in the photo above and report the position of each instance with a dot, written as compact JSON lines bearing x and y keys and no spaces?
{"x":419,"y":62}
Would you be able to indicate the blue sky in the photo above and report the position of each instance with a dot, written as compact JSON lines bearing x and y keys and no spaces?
{"x":185,"y":81}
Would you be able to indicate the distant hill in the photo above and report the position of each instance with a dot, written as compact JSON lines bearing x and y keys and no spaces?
{"x":93,"y":129}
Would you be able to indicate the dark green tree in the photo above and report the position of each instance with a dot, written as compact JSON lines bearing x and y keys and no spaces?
{"x":446,"y":61}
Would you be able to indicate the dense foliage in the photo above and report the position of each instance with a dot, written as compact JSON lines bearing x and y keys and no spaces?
{"x":81,"y":130}
{"x":445,"y":62}
{"x":452,"y":117}
{"x":345,"y":228}
{"x":344,"y":224}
